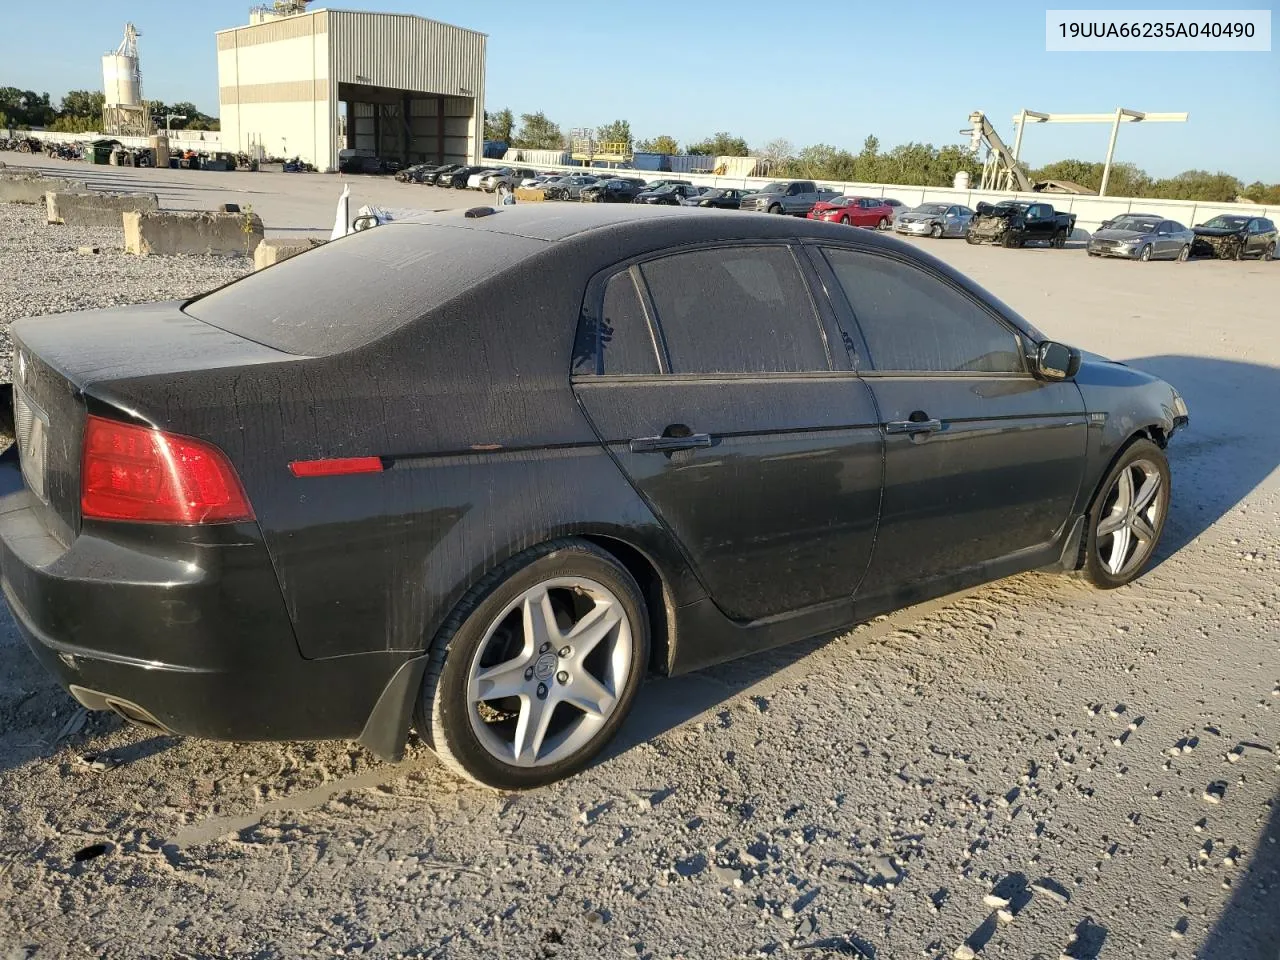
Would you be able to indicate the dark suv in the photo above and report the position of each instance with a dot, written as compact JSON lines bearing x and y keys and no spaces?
{"x":484,"y":471}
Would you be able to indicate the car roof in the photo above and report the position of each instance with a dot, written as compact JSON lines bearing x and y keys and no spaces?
{"x":668,"y":225}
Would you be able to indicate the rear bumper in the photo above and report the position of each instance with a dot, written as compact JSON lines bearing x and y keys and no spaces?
{"x":182,"y":628}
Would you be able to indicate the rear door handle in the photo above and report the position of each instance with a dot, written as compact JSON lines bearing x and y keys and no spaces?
{"x":668,"y":444}
{"x":913,"y":426}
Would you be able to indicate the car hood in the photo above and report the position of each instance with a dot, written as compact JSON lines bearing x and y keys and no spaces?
{"x":1217,"y":231}
{"x":919,"y":217}
{"x":1120,"y":235}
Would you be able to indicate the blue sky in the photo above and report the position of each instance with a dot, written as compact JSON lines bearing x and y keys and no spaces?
{"x":903,"y":71}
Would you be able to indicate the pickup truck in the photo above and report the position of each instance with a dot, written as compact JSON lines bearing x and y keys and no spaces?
{"x":1015,"y":223}
{"x":793,"y":197}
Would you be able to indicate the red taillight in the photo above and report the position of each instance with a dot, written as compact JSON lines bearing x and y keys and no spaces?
{"x":130,"y":472}
{"x":335,"y":467}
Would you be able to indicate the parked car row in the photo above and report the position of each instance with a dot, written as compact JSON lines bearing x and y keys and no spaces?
{"x":1010,"y":223}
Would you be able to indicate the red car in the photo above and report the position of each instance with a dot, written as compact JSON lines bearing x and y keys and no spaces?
{"x":858,"y":211}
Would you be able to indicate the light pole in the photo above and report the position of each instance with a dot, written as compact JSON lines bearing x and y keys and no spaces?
{"x":168,"y":118}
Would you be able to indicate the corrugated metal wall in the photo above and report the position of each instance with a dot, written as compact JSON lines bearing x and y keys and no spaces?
{"x":403,"y":52}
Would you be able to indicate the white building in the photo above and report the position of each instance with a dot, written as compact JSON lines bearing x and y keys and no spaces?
{"x":309,"y":84}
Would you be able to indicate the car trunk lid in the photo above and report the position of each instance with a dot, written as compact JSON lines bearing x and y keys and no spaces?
{"x":69,"y":365}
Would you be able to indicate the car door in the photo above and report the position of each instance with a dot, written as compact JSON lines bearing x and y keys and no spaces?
{"x":1034,"y":222}
{"x":1254,"y":241}
{"x":709,"y":376}
{"x":982,"y":460}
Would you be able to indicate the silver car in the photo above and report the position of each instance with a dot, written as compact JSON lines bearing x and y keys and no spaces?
{"x":1142,"y":236}
{"x":934,"y":220}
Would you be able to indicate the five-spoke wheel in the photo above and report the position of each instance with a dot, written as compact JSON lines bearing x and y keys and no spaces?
{"x":537,"y":668}
{"x":1128,"y":515}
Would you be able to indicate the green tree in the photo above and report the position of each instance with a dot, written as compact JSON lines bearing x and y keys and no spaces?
{"x":500,"y":125}
{"x":1198,"y":185}
{"x":83,"y":103}
{"x":867,"y":164}
{"x":1257,"y":191}
{"x":538,"y":133}
{"x":617,"y":132}
{"x":659,"y":144}
{"x":26,"y":108}
{"x":71,"y":124}
{"x":723,"y":144}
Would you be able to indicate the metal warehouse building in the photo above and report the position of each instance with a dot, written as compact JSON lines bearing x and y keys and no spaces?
{"x":311,"y":83}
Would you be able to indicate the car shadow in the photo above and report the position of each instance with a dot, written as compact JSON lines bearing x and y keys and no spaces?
{"x":1218,"y":460}
{"x":1249,"y":926}
{"x":1225,"y":451}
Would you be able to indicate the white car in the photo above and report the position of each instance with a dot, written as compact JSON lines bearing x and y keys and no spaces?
{"x":473,"y":181}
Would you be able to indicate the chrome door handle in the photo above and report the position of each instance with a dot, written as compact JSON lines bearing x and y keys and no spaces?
{"x":913,"y":426}
{"x":668,"y":444}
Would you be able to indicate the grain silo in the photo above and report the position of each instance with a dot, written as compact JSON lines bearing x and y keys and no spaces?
{"x":124,"y":112}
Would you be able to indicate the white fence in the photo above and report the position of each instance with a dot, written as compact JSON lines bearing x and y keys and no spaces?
{"x":1090,"y":211}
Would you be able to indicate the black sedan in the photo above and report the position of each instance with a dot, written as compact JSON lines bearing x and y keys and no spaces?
{"x":671,"y":194}
{"x":1233,"y":237}
{"x":324,"y":502}
{"x":722,"y":198}
{"x":616,"y":190}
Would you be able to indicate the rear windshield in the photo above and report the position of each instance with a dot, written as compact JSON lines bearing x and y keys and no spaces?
{"x":349,"y":292}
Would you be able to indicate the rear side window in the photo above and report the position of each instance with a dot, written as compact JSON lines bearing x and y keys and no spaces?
{"x":614,"y":338}
{"x":912,"y":321}
{"x":349,"y":292}
{"x":736,"y":310}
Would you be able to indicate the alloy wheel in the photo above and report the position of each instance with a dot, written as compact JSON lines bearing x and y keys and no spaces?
{"x":1184,"y":254}
{"x":1130,"y":517}
{"x":1146,"y":253}
{"x":549,"y":672}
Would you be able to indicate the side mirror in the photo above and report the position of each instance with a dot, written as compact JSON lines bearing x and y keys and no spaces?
{"x":1056,"y":361}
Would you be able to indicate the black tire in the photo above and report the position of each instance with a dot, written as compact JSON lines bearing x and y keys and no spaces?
{"x":1145,"y":254}
{"x":883,"y":224}
{"x":936,"y":231}
{"x":1185,"y":253}
{"x":775,"y":209}
{"x":1059,"y":240}
{"x":970,"y":238}
{"x":1140,"y":449}
{"x":1269,"y":253}
{"x":441,"y":714}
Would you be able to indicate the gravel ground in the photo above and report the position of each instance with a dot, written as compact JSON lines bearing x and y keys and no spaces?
{"x":42,"y":272}
{"x":1033,"y":769}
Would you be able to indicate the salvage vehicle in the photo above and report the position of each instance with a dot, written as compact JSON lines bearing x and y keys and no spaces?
{"x":793,"y":197}
{"x":568,"y":188}
{"x":476,"y":176}
{"x":459,"y":178}
{"x":935,"y":220}
{"x":722,"y":198}
{"x":671,"y":194}
{"x":509,"y":177}
{"x":1234,"y":237}
{"x":1142,"y":236}
{"x":439,"y":176}
{"x":322,"y":501}
{"x":659,"y":184}
{"x":613,"y":190}
{"x":854,"y":211}
{"x":1015,"y":223}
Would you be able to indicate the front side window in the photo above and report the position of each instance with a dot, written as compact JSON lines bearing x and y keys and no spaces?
{"x":736,"y":310}
{"x":914,"y":321}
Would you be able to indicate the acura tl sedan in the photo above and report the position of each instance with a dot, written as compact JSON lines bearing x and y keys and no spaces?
{"x":483,"y":472}
{"x":1142,"y":236}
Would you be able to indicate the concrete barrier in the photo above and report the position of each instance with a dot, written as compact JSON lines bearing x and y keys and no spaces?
{"x":269,"y":252}
{"x":95,"y":209}
{"x":161,"y":233}
{"x":17,"y":188}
